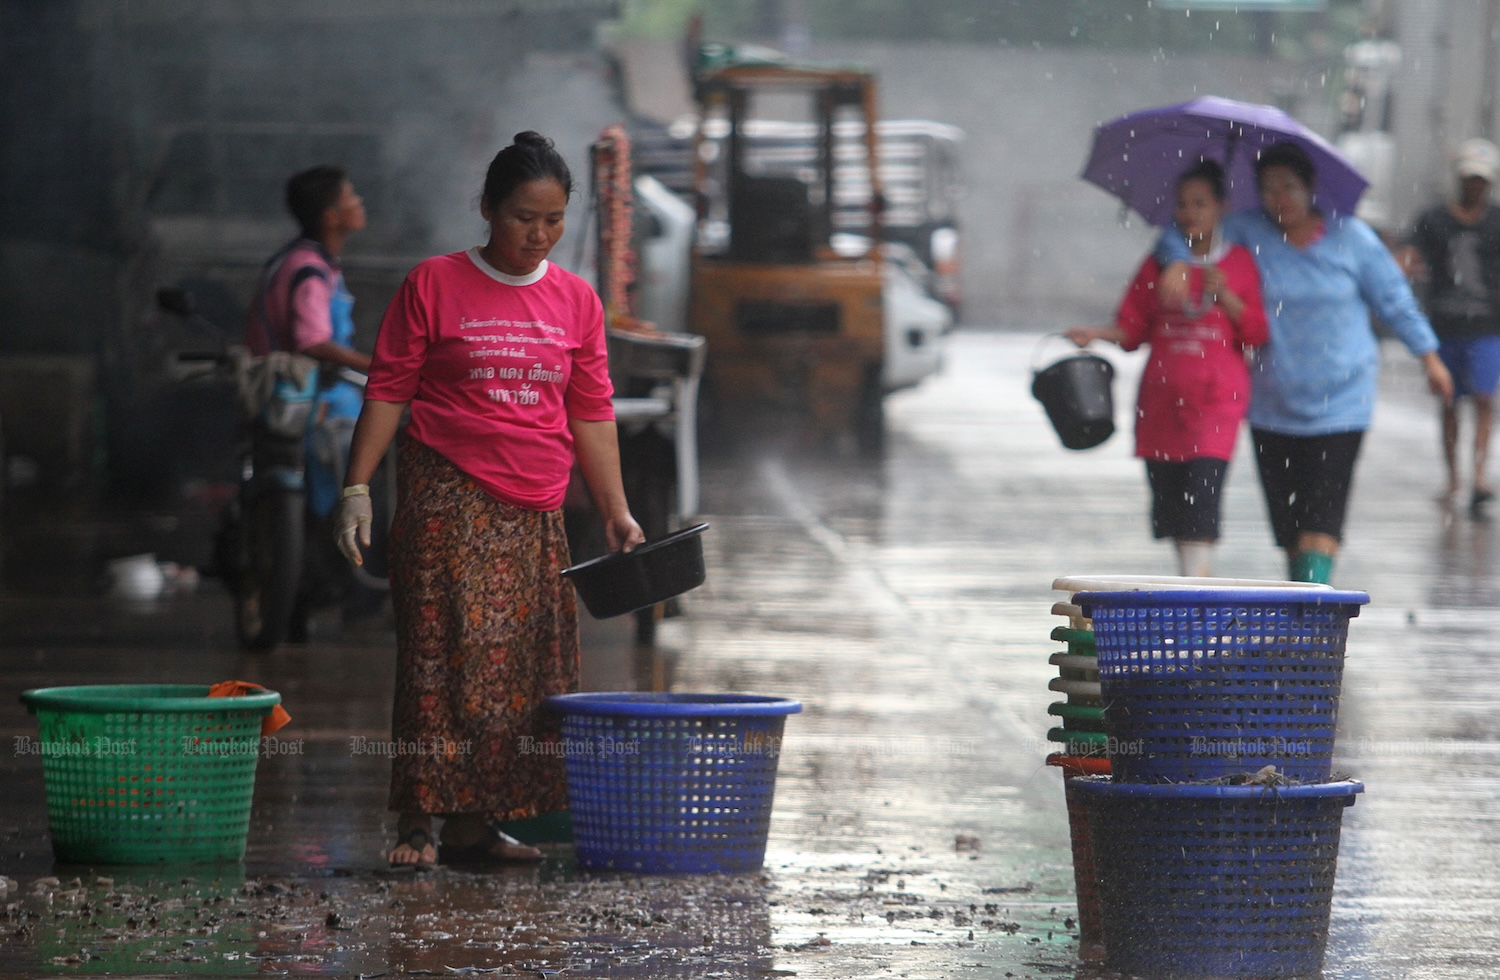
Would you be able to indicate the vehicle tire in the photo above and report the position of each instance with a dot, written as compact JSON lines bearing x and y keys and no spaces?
{"x":649,"y":472}
{"x":869,"y":418}
{"x":229,"y":549}
{"x":273,"y":542}
{"x":713,"y":434}
{"x":645,"y":624}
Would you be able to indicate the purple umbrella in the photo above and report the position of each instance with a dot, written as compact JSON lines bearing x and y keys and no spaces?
{"x":1139,"y":157}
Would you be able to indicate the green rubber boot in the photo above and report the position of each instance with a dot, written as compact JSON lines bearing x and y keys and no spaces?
{"x":1311,"y":566}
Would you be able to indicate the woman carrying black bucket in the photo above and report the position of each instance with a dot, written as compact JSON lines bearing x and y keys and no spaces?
{"x":1195,"y":388}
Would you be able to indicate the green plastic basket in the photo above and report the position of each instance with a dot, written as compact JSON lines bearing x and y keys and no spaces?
{"x":1078,"y":717}
{"x":140,"y":774}
{"x":1080,"y":742}
{"x":1080,"y":642}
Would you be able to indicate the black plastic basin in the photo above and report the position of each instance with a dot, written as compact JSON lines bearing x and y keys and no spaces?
{"x":625,"y":581}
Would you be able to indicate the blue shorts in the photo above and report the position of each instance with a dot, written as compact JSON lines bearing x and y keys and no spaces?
{"x":1474,"y":363}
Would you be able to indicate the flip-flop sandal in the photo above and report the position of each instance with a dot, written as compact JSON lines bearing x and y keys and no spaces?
{"x":482,"y":855}
{"x":418,"y":839}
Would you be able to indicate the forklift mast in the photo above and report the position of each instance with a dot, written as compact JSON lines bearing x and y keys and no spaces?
{"x":777,"y":202}
{"x":792,"y":307}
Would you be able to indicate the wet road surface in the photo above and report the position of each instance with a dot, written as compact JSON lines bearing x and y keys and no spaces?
{"x":916,"y":831}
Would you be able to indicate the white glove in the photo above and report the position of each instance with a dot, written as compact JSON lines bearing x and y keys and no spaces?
{"x":353,"y":514}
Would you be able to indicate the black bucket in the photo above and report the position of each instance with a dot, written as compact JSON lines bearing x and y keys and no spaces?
{"x":1078,"y":394}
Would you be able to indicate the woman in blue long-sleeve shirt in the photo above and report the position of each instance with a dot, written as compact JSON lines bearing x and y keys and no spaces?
{"x":1313,"y":383}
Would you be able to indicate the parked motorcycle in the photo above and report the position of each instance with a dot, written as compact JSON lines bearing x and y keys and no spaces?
{"x":273,"y":553}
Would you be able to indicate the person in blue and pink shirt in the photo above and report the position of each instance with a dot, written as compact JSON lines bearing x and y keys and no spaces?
{"x":303,"y":307}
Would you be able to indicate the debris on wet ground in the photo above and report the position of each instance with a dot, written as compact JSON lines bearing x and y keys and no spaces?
{"x":445,"y":923}
{"x":521,"y":922}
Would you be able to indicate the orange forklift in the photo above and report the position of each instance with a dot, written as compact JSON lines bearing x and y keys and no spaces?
{"x":791,"y":307}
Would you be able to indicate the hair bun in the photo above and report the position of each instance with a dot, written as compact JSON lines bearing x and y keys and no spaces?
{"x":530,"y":156}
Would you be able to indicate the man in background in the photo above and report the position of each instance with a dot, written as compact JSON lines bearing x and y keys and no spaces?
{"x":1455,"y":247}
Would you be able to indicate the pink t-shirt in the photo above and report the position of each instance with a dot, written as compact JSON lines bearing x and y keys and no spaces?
{"x":494,"y":367}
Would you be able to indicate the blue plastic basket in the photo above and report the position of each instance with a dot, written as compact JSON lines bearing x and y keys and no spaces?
{"x":1201,"y":684}
{"x":1215,"y":881}
{"x":671,"y":782}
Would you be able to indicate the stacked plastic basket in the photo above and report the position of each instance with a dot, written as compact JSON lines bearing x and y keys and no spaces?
{"x":1079,"y":718}
{"x":1214,"y":843}
{"x":1079,"y":731}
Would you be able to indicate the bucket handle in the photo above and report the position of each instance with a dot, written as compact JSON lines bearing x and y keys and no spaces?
{"x":1043,"y":342}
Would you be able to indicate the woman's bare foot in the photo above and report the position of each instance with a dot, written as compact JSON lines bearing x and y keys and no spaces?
{"x":414,"y":844}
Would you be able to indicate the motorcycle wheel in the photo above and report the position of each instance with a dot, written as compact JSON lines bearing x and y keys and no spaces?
{"x":272,"y":528}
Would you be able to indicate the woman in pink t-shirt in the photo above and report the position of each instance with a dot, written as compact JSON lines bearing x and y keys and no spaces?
{"x":1196,"y":387}
{"x":500,"y":357}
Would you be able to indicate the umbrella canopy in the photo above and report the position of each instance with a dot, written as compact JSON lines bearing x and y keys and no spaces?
{"x":1139,"y":157}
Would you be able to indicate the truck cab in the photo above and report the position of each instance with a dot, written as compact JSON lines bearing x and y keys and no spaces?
{"x":794,"y":306}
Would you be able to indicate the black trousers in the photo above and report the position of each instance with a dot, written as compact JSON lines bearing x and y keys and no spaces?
{"x":1306,"y":480}
{"x":1185,"y":498}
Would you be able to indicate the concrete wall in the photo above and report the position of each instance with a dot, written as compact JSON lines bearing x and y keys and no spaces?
{"x":1446,"y":91}
{"x":47,"y":417}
